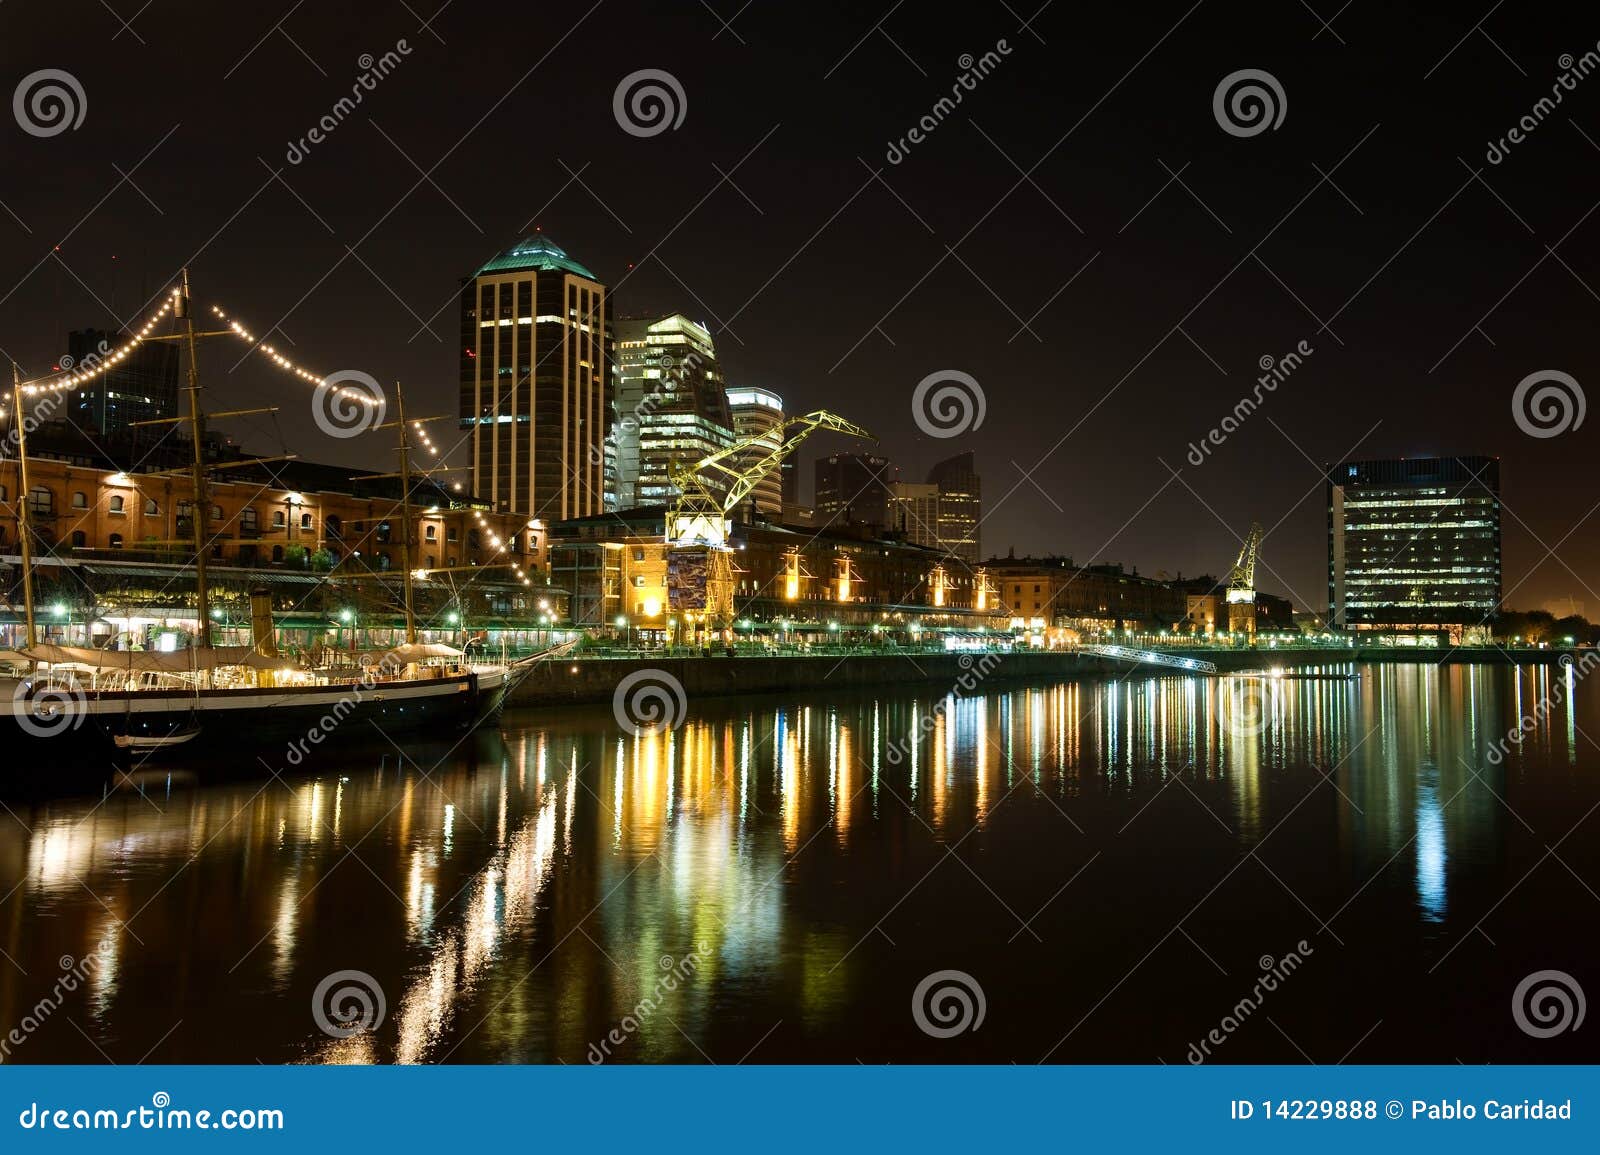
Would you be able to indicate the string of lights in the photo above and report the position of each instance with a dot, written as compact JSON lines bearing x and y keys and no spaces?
{"x":289,"y":366}
{"x":75,"y":376}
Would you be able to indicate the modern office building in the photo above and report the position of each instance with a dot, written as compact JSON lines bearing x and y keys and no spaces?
{"x":853,"y":489}
{"x":914,"y":511}
{"x":143,"y":386}
{"x":536,"y":390}
{"x":960,"y":506}
{"x":671,"y":407}
{"x":1414,"y":546}
{"x":758,"y":413}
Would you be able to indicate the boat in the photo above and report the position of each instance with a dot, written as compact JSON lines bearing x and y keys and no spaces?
{"x":67,"y":708}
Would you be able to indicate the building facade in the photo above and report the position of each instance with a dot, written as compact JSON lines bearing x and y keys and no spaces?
{"x":1414,"y":545}
{"x":758,"y":414}
{"x":114,"y":549}
{"x":853,"y":489}
{"x":143,"y":386}
{"x":960,"y":507}
{"x":1053,"y":592}
{"x":536,"y":389}
{"x":671,"y":406}
{"x":914,"y":512}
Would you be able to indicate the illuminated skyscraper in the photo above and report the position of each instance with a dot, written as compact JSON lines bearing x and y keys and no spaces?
{"x":535,"y":381}
{"x":758,"y":413}
{"x":672,"y":409}
{"x":960,"y":506}
{"x":1414,"y":544}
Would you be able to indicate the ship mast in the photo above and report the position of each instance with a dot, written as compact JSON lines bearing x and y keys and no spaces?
{"x":405,"y":507}
{"x":200,"y":515}
{"x":24,"y":523}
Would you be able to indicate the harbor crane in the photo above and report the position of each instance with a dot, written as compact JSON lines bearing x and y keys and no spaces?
{"x":700,"y":523}
{"x":1242,"y":584}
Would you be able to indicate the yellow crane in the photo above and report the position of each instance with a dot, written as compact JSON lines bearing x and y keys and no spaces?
{"x":1242,"y":584}
{"x":701,"y":520}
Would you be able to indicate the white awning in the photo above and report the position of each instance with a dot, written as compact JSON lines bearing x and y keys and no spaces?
{"x":149,"y":661}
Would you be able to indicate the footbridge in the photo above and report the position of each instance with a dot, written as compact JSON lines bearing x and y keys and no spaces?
{"x":1150,"y":658}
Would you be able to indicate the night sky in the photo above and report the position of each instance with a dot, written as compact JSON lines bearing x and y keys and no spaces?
{"x":841,"y":280}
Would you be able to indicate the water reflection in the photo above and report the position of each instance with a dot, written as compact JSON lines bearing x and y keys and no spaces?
{"x":519,"y":901}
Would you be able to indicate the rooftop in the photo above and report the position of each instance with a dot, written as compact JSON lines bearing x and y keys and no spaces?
{"x":536,"y":251}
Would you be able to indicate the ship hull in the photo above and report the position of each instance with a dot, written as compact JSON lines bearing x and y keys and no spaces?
{"x":71,"y":739}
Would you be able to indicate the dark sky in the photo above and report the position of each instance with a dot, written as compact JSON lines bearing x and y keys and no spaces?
{"x":1426,"y":294}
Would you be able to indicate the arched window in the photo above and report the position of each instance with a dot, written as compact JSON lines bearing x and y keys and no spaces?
{"x":41,"y":501}
{"x":151,"y":509}
{"x":431,"y":533}
{"x":247,"y":519}
{"x":80,"y":499}
{"x":277,"y":519}
{"x":277,"y":553}
{"x":305,"y":521}
{"x":216,"y":513}
{"x":430,"y":561}
{"x":116,"y":541}
{"x":116,"y":504}
{"x":79,"y":539}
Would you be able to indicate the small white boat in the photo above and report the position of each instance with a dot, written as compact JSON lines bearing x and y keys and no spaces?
{"x":154,"y":741}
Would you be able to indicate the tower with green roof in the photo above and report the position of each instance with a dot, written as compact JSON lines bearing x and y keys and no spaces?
{"x":536,"y":381}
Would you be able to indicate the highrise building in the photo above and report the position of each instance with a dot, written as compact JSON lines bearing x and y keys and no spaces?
{"x":536,"y":381}
{"x":960,"y":507}
{"x":853,"y":488}
{"x":671,"y":407}
{"x":759,"y":414}
{"x":143,"y":386}
{"x":1414,"y":545}
{"x":914,"y":511}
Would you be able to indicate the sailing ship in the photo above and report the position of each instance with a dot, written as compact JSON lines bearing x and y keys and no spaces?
{"x":65,"y":708}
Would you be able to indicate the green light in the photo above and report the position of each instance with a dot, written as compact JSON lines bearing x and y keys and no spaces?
{"x":346,"y":615}
{"x":59,"y":610}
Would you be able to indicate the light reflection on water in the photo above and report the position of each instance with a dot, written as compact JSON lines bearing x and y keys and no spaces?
{"x":526,"y":897}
